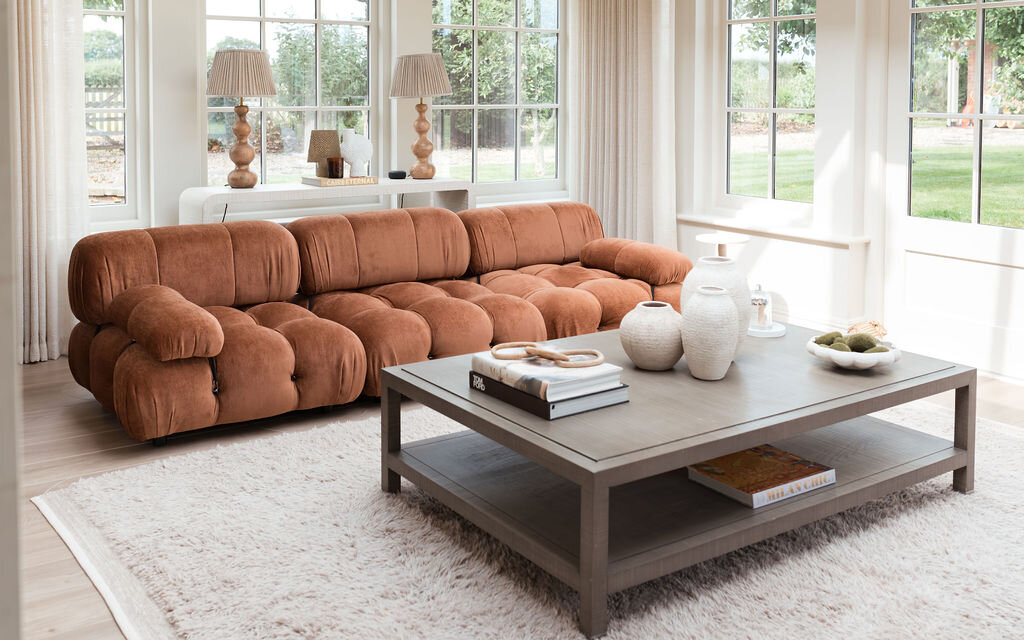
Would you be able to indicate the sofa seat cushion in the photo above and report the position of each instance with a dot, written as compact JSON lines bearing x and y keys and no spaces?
{"x":277,"y":357}
{"x":407,"y":322}
{"x":572,"y":299}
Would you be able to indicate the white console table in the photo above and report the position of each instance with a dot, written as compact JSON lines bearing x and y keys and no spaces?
{"x":211,"y":204}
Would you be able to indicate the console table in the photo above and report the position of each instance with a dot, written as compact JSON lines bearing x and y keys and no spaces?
{"x":207,"y":204}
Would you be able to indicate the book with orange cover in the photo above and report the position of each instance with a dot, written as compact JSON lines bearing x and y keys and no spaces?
{"x":761,"y":475}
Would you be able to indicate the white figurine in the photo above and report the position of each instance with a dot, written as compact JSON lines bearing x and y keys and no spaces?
{"x":357,"y":151}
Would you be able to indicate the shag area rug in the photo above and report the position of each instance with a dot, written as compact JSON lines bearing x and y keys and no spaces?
{"x":291,"y":537}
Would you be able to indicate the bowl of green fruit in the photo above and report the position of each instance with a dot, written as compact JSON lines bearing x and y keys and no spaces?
{"x":853,"y":351}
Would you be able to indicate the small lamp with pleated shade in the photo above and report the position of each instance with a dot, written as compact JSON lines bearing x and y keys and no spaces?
{"x":421,"y":75}
{"x":237,"y":73}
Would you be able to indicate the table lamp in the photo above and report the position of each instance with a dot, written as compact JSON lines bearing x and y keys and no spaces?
{"x":239,"y":73}
{"x":418,"y":76}
{"x":323,"y":144}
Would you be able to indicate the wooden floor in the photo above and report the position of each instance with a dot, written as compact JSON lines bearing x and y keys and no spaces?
{"x":67,"y":435}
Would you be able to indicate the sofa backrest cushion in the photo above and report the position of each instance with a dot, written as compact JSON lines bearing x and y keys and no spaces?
{"x":230,"y":264}
{"x":514,"y":236}
{"x":356,"y":250}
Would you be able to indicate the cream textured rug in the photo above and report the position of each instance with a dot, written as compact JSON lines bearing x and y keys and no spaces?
{"x":291,"y":537}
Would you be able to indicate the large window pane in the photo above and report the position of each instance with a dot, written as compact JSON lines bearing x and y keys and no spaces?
{"x":453,"y":11}
{"x":103,"y":37}
{"x":938,"y":3}
{"x":456,"y":48}
{"x":229,"y":34}
{"x":244,"y":8}
{"x":750,"y":165}
{"x":750,"y":65}
{"x":344,"y":66}
{"x":739,"y":9}
{"x":796,"y":42}
{"x":1004,"y":60}
{"x":539,"y":75}
{"x":496,"y":71}
{"x":942,"y":50}
{"x":292,"y":50}
{"x":1002,"y":176}
{"x":496,"y":145}
{"x":540,"y":14}
{"x":103,"y":5}
{"x":496,"y":13}
{"x":940,"y":173}
{"x":797,"y":7}
{"x":304,"y":9}
{"x":794,"y":157}
{"x":344,"y":9}
{"x":452,"y":135}
{"x":105,"y":157}
{"x":219,"y":140}
{"x":538,"y":144}
{"x":341,"y":120}
{"x":286,"y":139}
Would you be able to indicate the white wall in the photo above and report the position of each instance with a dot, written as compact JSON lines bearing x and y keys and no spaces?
{"x":10,"y":387}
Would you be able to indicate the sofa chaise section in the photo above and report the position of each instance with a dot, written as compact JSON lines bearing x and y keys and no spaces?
{"x":187,"y":327}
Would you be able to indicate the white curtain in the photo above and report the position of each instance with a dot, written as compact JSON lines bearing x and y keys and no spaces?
{"x":622,"y":130}
{"x":50,"y":167}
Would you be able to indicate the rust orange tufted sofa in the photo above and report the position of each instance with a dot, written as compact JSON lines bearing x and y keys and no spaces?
{"x":187,"y":327}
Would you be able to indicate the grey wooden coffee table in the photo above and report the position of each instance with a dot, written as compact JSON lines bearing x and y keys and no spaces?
{"x":601,"y":501}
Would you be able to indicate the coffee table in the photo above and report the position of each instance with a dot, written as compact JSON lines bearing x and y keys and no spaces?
{"x":600,"y":500}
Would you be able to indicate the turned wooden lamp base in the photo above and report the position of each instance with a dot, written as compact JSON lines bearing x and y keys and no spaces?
{"x":422,"y":148}
{"x":242,"y":153}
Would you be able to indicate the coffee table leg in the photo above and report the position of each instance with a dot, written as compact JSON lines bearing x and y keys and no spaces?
{"x":593,"y":560}
{"x":390,"y":436}
{"x":963,"y":433}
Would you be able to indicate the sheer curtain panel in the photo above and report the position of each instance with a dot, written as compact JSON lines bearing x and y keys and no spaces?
{"x":622,"y":139}
{"x":50,"y":199}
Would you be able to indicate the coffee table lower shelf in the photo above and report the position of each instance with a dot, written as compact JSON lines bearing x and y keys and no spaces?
{"x":664,"y":523}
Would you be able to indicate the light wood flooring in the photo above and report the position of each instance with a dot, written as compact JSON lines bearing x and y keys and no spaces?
{"x":67,"y":435}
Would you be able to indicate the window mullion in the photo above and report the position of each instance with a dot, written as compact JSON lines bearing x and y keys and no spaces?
{"x":979,"y":89}
{"x":773,"y":117}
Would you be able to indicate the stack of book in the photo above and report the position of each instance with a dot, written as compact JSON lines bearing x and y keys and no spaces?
{"x":545,"y":389}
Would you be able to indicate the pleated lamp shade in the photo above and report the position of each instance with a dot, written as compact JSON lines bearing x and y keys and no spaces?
{"x":420,"y":75}
{"x":240,"y":73}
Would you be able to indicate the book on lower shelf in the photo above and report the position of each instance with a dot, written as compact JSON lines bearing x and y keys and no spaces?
{"x":761,"y":475}
{"x":544,"y":379}
{"x":544,"y":408}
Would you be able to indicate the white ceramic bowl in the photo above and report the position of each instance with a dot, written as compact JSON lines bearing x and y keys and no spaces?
{"x":852,"y":359}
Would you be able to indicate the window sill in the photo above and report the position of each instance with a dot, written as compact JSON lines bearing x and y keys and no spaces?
{"x":802,"y":234}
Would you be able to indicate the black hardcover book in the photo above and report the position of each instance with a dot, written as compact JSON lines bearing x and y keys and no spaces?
{"x":543,"y":408}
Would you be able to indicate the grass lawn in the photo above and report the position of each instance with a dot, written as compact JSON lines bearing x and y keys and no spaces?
{"x":941,"y":182}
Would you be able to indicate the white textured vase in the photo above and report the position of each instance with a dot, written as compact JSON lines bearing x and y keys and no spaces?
{"x":650,"y":336}
{"x":722,"y":272}
{"x":710,"y":332}
{"x":357,"y":151}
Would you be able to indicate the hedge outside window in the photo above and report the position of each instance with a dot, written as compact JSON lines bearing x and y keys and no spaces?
{"x":501,"y":122}
{"x":770,"y":106}
{"x":320,"y":55}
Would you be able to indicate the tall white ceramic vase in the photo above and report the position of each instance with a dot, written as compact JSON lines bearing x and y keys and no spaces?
{"x":710,"y":332}
{"x":722,"y":272}
{"x":650,"y":336}
{"x":357,"y":151}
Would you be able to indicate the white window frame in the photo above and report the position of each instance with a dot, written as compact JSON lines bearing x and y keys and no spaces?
{"x":372,"y":111}
{"x":774,"y":111}
{"x":551,"y":188}
{"x":117,"y":216}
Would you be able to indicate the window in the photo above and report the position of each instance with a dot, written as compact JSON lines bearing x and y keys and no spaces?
{"x":109,"y":106}
{"x":965,"y":152}
{"x":320,"y":55}
{"x":770,"y":110}
{"x":501,"y":122}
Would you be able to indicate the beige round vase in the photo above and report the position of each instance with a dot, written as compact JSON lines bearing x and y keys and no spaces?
{"x":709,"y":332}
{"x":722,"y":272}
{"x":650,"y":336}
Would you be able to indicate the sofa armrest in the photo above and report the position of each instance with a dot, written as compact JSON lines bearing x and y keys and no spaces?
{"x":165,"y":324}
{"x":648,"y":262}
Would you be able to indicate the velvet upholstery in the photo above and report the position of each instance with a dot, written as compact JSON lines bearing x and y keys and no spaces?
{"x":165,"y":324}
{"x":650,"y":263}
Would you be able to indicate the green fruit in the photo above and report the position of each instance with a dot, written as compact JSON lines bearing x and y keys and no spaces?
{"x":861,"y":342}
{"x":840,"y":340}
{"x":840,"y":346}
{"x":878,"y":349}
{"x":828,"y":338}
